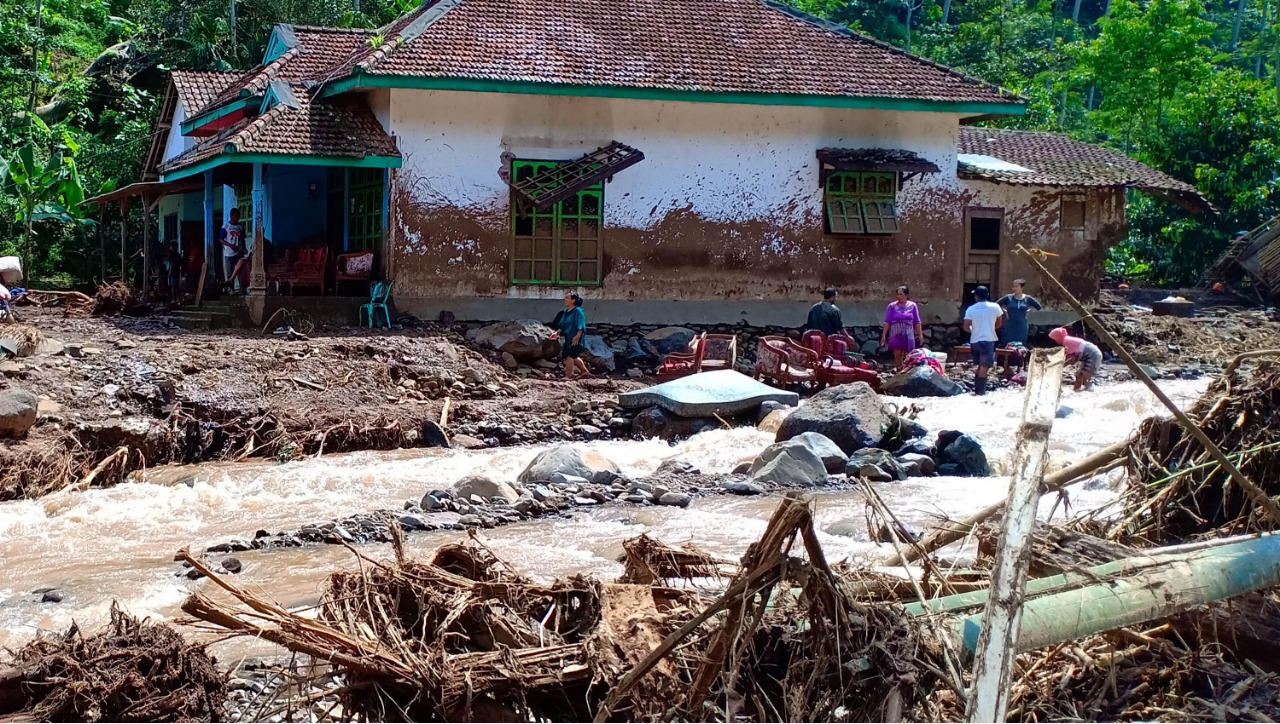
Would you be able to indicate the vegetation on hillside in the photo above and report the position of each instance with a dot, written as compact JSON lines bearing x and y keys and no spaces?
{"x":1189,"y":88}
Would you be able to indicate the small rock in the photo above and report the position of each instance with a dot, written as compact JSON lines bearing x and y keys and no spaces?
{"x":471,"y":521}
{"x":565,"y":479}
{"x":540,"y":493}
{"x":950,"y":470}
{"x":767,"y":407}
{"x":467,"y":442}
{"x":739,"y":487}
{"x":584,"y":500}
{"x":789,"y":463}
{"x":677,"y":467}
{"x":579,"y":406}
{"x":919,"y":446}
{"x":433,"y":435}
{"x":827,"y":451}
{"x":917,"y":465}
{"x":772,"y":421}
{"x":635,"y":373}
{"x":110,"y":390}
{"x":18,"y":410}
{"x":606,"y":477}
{"x":509,"y":361}
{"x":413,"y":522}
{"x":52,"y":595}
{"x":12,"y":369}
{"x":125,"y":344}
{"x":923,"y":381}
{"x":188,"y":368}
{"x":636,"y":498}
{"x":680,"y":500}
{"x":567,"y":459}
{"x":89,"y":351}
{"x":231,"y":565}
{"x":589,"y":432}
{"x":484,"y":488}
{"x":875,"y":465}
{"x":74,"y":349}
{"x":742,"y":468}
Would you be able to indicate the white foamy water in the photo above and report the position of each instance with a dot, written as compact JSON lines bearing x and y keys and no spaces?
{"x":118,"y":543}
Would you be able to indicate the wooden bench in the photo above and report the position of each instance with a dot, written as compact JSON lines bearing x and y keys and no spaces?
{"x":1003,"y":355}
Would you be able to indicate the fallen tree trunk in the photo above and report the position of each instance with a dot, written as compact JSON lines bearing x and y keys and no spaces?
{"x":1137,"y":590}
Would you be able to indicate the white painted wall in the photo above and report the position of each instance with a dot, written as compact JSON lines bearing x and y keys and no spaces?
{"x":176,"y":143}
{"x":722,"y":161}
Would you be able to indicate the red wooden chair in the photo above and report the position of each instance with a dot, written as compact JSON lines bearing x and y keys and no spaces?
{"x":719,"y":352}
{"x":687,"y":362}
{"x":308,"y":269}
{"x":783,"y":362}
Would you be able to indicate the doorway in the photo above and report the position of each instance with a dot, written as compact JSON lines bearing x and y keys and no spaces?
{"x":983,"y":229}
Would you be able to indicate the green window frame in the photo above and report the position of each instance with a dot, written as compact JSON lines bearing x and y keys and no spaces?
{"x":861,"y":202}
{"x":244,"y":202}
{"x":364,"y":220}
{"x":561,"y":245}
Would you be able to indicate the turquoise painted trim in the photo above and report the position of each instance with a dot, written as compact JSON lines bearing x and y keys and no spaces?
{"x":284,"y":159}
{"x":212,"y":259}
{"x":282,"y":39}
{"x":208,"y":117}
{"x":362,"y":80}
{"x":346,"y":209}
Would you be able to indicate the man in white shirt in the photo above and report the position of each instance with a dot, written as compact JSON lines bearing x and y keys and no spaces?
{"x":981,"y":321}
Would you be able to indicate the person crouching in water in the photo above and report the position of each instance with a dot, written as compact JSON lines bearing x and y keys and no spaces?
{"x":1080,"y":351}
{"x":572,"y":326}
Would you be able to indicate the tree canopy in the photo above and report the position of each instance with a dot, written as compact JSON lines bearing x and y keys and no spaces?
{"x":1187,"y":87}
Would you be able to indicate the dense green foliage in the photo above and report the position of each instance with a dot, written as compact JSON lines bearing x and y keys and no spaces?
{"x":1188,"y":88}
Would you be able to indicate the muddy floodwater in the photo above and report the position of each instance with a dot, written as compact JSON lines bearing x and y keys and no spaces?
{"x":118,"y":544}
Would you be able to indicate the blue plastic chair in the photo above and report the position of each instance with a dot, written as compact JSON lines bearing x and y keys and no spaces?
{"x":377,"y":303}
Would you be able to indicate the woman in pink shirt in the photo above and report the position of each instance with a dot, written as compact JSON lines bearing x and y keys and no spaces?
{"x":902,"y":331}
{"x":1079,"y":350}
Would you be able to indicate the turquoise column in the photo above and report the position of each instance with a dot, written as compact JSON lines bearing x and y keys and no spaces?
{"x":211,"y":258}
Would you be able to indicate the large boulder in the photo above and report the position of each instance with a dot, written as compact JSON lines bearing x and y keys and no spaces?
{"x":788,"y":463}
{"x":566,"y":460}
{"x":140,"y":434}
{"x":851,"y":415}
{"x":967,"y":454}
{"x":484,"y":487}
{"x":598,"y":354}
{"x":922,"y":381}
{"x":827,"y":451}
{"x":669,"y":339}
{"x":17,"y":412}
{"x":657,"y":422}
{"x":528,"y":340}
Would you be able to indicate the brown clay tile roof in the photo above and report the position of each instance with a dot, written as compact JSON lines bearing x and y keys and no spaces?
{"x":1054,"y":159}
{"x":197,"y":88}
{"x":318,"y":51}
{"x":722,"y":46}
{"x":343,"y":127}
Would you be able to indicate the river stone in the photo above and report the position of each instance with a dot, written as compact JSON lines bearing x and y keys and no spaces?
{"x":767,"y":407}
{"x":669,"y":339}
{"x":597,"y":353}
{"x":922,"y":381}
{"x":917,"y":465}
{"x":773,"y":421}
{"x":722,"y":392}
{"x":18,"y":409}
{"x":676,"y":466}
{"x":876,"y":465}
{"x":528,"y":340}
{"x":967,"y":453}
{"x":566,"y":459}
{"x":851,"y":415}
{"x":789,"y":463}
{"x":741,"y":487}
{"x":232,"y":565}
{"x":826,"y":450}
{"x":847,"y":527}
{"x":140,"y":433}
{"x":483,"y":487}
{"x":657,"y":422}
{"x":433,"y":435}
{"x":679,"y":500}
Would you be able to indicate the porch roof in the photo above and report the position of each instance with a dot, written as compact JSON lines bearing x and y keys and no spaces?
{"x":1041,"y":158}
{"x":333,"y":132}
{"x":153,"y":189}
{"x":556,"y":184}
{"x":875,"y":159}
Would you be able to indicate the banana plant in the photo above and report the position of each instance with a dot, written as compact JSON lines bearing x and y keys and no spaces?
{"x":49,"y":190}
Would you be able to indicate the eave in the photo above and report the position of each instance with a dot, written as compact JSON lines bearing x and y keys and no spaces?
{"x":230,"y":156}
{"x":361,"y":80}
{"x":211,"y":121}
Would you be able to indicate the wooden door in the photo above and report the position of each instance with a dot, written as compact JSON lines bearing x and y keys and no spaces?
{"x":983,"y":250}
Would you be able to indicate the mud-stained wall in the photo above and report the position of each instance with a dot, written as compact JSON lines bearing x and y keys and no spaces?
{"x":726,"y":206}
{"x":1033,"y":218}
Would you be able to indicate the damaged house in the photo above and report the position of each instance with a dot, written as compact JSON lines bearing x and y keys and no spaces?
{"x":696,"y":161}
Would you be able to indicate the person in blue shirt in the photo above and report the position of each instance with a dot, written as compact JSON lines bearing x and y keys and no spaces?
{"x":1016,"y":306}
{"x":572,"y":327}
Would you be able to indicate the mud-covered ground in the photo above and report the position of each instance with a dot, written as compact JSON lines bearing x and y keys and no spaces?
{"x":170,"y":395}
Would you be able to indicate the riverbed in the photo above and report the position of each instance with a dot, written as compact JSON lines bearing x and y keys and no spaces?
{"x":118,"y":543}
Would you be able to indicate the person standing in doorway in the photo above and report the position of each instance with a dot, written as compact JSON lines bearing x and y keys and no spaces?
{"x":1016,"y":306}
{"x":981,"y":320}
{"x":232,"y":240}
{"x":825,"y":315}
{"x":173,"y":260}
{"x":573,"y":326}
{"x":902,"y":331}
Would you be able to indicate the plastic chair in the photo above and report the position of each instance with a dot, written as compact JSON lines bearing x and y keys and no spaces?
{"x":377,"y":302}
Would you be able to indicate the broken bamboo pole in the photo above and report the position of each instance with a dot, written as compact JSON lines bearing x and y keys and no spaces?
{"x":950,"y":532}
{"x":993,"y":666}
{"x":1255,"y":493}
{"x":1136,"y":590}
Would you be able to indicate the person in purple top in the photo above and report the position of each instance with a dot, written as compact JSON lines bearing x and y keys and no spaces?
{"x":902,"y":331}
